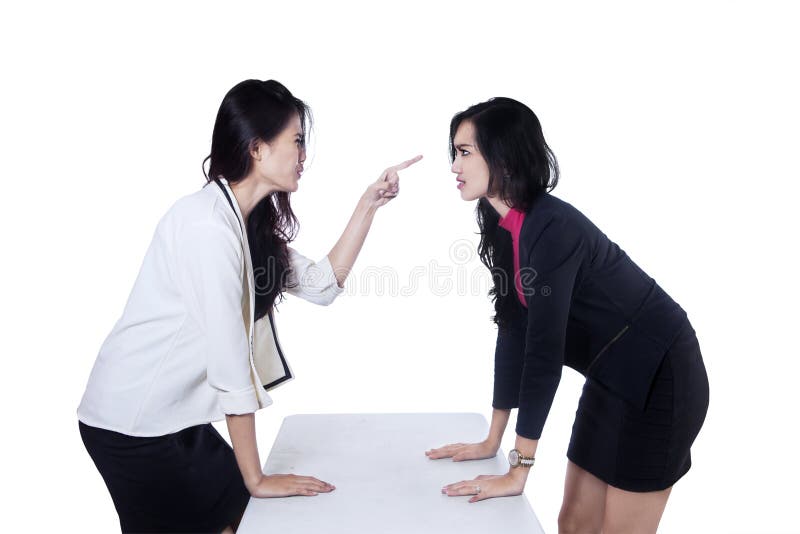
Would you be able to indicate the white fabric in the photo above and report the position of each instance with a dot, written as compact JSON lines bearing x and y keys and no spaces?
{"x":182,"y":353}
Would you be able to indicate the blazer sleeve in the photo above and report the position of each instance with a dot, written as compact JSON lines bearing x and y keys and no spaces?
{"x":312,"y":281}
{"x":509,"y":355}
{"x":551,"y":271}
{"x":211,"y":263}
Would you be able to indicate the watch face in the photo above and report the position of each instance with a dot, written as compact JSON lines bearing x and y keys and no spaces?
{"x":513,"y":457}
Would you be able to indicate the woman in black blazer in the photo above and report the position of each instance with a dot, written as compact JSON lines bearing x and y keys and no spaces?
{"x":564,"y":294}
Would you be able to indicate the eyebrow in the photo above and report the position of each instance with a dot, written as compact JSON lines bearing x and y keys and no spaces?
{"x":463,"y":145}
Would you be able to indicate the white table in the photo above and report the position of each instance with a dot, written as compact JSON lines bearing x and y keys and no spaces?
{"x":384,"y":482}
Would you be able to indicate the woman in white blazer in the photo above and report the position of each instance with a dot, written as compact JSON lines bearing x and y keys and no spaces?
{"x":196,"y":342}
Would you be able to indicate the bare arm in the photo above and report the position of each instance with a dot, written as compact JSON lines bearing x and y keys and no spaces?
{"x":527,"y":447}
{"x":498,"y":426}
{"x":344,"y":253}
{"x":242,"y":429}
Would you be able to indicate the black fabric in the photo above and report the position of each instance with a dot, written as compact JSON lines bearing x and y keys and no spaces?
{"x":647,"y":450}
{"x":183,"y":482}
{"x":582,"y":292}
{"x":509,"y":356}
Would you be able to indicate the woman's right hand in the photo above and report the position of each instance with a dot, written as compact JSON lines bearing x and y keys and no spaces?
{"x":288,"y":485}
{"x":464,"y":451}
{"x":388,"y":184}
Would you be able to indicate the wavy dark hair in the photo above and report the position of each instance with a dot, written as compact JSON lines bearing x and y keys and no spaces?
{"x":256,"y":110}
{"x":521,"y":167}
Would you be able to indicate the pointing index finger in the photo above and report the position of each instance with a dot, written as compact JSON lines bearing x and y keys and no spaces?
{"x":407,"y":163}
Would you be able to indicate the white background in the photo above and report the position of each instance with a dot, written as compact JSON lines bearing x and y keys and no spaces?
{"x":676,"y":127}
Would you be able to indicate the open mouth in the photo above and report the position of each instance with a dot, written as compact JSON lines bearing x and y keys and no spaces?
{"x":460,"y":183}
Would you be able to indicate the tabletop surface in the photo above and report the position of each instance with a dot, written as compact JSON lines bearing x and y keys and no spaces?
{"x":384,"y":482}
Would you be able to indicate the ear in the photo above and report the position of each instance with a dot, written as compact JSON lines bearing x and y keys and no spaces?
{"x":259,"y":149}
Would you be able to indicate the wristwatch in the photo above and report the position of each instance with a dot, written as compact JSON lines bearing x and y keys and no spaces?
{"x":516,"y":459}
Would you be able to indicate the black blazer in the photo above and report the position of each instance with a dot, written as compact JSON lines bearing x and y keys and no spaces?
{"x":589,"y":307}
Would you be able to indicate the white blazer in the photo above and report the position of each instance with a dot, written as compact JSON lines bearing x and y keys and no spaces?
{"x":186,"y":350}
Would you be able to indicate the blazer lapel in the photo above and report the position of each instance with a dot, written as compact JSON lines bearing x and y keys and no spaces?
{"x":268,"y":362}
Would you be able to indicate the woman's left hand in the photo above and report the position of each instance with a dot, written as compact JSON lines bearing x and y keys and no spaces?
{"x":487,"y":487}
{"x":387,"y":186}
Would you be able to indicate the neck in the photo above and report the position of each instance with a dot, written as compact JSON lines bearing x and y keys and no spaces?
{"x":249,"y":191}
{"x":500,"y":207}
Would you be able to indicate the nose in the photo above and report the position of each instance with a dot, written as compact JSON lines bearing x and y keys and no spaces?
{"x":455,"y":167}
{"x":302,"y":157}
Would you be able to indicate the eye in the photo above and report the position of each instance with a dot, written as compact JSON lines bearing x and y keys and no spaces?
{"x":464,"y":152}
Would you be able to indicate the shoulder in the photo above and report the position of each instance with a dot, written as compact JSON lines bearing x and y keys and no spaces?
{"x":201,"y":224}
{"x":203,"y":208}
{"x":548,"y":206}
{"x":196,"y":207}
{"x":548,"y":215}
{"x":555,"y":229}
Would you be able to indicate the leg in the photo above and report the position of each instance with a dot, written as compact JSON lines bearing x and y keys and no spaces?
{"x":633,"y":512}
{"x":584,"y":502}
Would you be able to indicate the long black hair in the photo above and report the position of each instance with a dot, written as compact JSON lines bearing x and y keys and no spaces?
{"x":521,"y":167}
{"x":256,"y":110}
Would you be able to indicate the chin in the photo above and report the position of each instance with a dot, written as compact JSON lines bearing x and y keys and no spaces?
{"x":292,"y":186}
{"x":466,"y":197}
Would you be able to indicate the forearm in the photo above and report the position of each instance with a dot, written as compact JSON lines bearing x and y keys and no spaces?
{"x":344,"y":253}
{"x":526,"y":447}
{"x":498,"y":426}
{"x":242,"y":429}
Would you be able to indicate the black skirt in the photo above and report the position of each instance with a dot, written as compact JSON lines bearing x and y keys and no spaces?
{"x":183,"y":482}
{"x":646,"y":450}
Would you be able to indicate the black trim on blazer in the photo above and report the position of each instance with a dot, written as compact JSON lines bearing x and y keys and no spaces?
{"x":287,"y":375}
{"x":230,"y":202}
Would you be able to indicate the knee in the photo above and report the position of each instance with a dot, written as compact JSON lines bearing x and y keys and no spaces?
{"x":567,"y":524}
{"x":571,"y":522}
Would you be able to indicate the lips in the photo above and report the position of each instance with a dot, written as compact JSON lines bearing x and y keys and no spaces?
{"x":460,"y":183}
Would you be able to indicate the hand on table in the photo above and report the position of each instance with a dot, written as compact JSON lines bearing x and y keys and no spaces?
{"x":464,"y":451}
{"x":288,"y":485}
{"x":487,"y":487}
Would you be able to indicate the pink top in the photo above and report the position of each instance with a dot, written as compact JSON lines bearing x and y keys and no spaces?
{"x":513,"y":223}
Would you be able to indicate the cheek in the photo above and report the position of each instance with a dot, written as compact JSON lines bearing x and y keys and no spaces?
{"x":286,"y":161}
{"x":265,"y":167}
{"x":480,"y":178}
{"x":293,"y":157}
